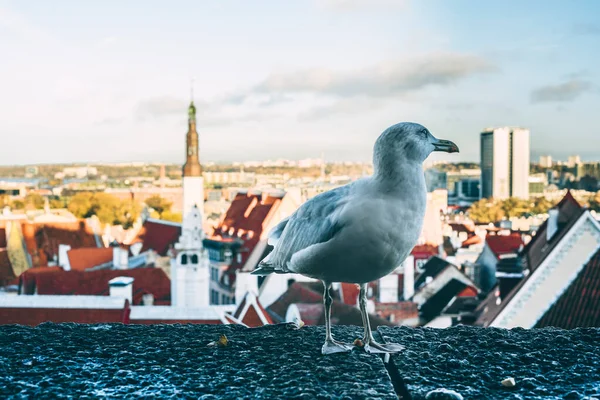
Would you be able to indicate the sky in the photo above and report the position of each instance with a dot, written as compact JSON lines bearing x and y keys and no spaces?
{"x":109,"y":81}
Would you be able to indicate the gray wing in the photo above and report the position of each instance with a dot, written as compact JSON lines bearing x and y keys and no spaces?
{"x":314,"y":222}
{"x":276,"y":232}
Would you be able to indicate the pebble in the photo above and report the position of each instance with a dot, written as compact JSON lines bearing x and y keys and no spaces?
{"x":509,"y":382}
{"x":443,"y":394}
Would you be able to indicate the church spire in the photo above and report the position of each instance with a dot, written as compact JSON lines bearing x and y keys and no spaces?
{"x":192,"y":162}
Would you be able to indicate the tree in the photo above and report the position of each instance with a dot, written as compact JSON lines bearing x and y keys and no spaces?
{"x":541,"y":205}
{"x":514,"y":207}
{"x":81,"y":204}
{"x":57,"y":203}
{"x":34,"y":201}
{"x":108,"y":208}
{"x":485,"y":211}
{"x":172,"y":216}
{"x":594,"y":202}
{"x":17,"y":204}
{"x":159,"y":204}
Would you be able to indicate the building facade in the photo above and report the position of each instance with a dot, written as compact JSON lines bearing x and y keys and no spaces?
{"x":505,"y":163}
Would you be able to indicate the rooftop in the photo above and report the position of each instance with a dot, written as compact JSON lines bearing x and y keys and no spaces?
{"x":281,"y":362}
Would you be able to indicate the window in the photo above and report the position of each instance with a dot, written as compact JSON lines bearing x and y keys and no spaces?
{"x":214,"y":274}
{"x":184,"y":259}
{"x":194,"y":259}
{"x":214,"y":297}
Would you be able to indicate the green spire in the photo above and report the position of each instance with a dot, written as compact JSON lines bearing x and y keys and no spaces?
{"x":192,"y":111}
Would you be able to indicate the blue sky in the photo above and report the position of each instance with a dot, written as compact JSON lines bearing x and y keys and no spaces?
{"x":109,"y":80}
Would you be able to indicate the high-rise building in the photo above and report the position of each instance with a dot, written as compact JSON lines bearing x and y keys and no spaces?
{"x":505,"y":163}
{"x":546,"y":161}
{"x":573,"y":161}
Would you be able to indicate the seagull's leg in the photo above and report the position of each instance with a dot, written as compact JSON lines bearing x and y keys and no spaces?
{"x":371,"y":346}
{"x":331,"y":346}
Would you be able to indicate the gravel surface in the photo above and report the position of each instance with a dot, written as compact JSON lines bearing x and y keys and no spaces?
{"x":545,"y":363}
{"x":162,"y":361}
{"x":69,"y":360}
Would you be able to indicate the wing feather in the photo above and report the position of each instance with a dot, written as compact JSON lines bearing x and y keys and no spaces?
{"x":316,"y":221}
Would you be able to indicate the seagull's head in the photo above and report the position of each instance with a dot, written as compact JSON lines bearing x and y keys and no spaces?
{"x":410,"y":141}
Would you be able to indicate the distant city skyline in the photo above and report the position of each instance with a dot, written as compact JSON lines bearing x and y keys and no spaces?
{"x":109,"y":81}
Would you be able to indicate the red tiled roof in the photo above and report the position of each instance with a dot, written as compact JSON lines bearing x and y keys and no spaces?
{"x":251,"y":318}
{"x":296,"y":293}
{"x":579,"y":305}
{"x":264,"y":312}
{"x":89,"y":257}
{"x":469,"y":291}
{"x":252,"y":315}
{"x":6,"y":271}
{"x":42,"y":240}
{"x":158,"y":235}
{"x":400,"y":310}
{"x":460,"y":227}
{"x":54,"y":280}
{"x":341,"y":314}
{"x":247,"y":213}
{"x":504,"y":244}
{"x":424,"y":252}
{"x":349,"y":293}
{"x":311,"y":314}
{"x":36,"y":316}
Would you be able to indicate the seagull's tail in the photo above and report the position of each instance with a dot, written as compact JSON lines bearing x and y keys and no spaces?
{"x":265,"y":268}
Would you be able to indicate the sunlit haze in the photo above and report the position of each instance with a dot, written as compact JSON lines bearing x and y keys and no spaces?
{"x":109,"y":81}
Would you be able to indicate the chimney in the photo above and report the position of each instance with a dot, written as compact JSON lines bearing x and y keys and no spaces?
{"x":121,"y":286}
{"x":409,"y":277}
{"x":509,"y":272}
{"x":552,"y":225}
{"x":63,"y":257}
{"x":120,"y":258}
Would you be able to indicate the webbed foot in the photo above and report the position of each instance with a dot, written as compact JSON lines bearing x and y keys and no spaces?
{"x":373,"y":347}
{"x":333,"y":346}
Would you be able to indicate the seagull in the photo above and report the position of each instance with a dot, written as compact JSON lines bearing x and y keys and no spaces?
{"x":362,"y":231}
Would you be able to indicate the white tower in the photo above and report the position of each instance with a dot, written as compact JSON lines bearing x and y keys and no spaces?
{"x":190,"y":269}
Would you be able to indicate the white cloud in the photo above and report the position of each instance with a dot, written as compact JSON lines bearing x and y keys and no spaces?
{"x":562,"y":92}
{"x":20,"y":27}
{"x":385,"y":79}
